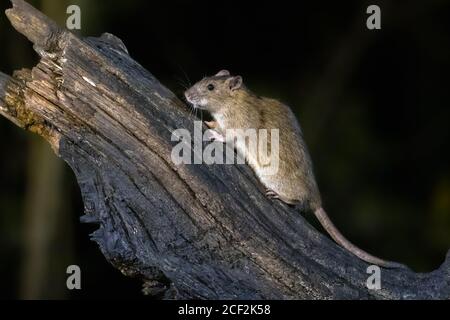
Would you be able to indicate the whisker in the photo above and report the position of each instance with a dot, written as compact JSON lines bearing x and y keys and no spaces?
{"x":187,"y":78}
{"x":188,"y":83}
{"x":182,"y":83}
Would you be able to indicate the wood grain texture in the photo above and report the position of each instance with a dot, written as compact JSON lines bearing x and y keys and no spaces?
{"x":189,"y":231}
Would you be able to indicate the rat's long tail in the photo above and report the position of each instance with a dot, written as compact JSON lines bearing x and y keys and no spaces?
{"x":341,"y":240}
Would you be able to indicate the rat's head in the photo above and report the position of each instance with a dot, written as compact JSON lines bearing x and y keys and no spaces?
{"x":213,"y":93}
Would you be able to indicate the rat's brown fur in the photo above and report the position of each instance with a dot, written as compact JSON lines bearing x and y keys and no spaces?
{"x":233,"y":106}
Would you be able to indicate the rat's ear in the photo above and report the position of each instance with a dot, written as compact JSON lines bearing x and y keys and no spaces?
{"x":235,"y":83}
{"x":223,"y":73}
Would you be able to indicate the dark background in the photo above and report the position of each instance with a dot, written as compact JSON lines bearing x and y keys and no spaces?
{"x":374,"y":107}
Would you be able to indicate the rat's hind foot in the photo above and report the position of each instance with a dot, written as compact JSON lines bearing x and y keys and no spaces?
{"x":272,"y":194}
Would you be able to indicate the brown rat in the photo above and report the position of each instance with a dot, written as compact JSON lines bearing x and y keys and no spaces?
{"x":233,"y":106}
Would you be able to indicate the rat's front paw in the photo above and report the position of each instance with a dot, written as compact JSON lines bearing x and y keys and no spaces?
{"x":211,"y":124}
{"x":272,"y":194}
{"x":212,"y":135}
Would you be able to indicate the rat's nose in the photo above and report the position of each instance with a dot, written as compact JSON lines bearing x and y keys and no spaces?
{"x":188,"y":96}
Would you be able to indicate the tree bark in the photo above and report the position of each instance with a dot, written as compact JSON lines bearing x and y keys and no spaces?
{"x":189,"y":231}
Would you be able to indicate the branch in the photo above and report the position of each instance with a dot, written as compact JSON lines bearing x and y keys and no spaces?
{"x":189,"y":231}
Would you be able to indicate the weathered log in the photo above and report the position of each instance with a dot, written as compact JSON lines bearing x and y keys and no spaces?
{"x":189,"y":231}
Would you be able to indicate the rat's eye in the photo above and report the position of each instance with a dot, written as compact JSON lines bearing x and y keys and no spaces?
{"x":210,"y":87}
